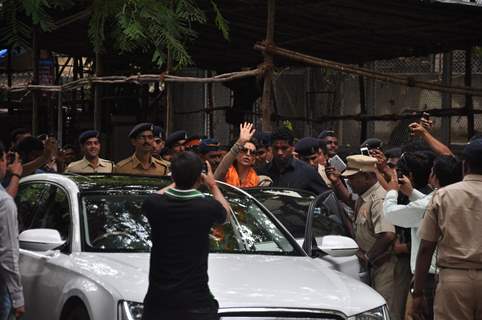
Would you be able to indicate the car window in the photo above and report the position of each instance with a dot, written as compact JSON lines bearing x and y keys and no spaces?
{"x":291,"y":208}
{"x":28,"y":199}
{"x":53,"y":212}
{"x":113,"y":222}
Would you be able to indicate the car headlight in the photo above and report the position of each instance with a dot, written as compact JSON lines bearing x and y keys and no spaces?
{"x":380,"y":313}
{"x":129,"y":310}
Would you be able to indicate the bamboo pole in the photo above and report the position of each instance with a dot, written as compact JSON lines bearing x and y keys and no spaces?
{"x":169,"y":101}
{"x":98,"y":93}
{"x":346,"y":68}
{"x":469,"y":102}
{"x":35,"y":80}
{"x":135,"y":79}
{"x":266,"y":100}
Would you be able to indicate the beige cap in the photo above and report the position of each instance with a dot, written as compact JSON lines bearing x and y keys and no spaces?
{"x":359,"y":163}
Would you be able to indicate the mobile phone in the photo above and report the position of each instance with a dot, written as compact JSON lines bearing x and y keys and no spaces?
{"x":426,"y":116}
{"x":337,"y":163}
{"x":10,"y":158}
{"x":365,"y":151}
{"x":205,"y":168}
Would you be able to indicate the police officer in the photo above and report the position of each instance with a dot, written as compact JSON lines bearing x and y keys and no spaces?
{"x":331,"y":141}
{"x":174,"y":144}
{"x":90,"y":163}
{"x":142,"y":162}
{"x":158,"y":145}
{"x":210,"y":150}
{"x":374,"y":235}
{"x":452,"y":223}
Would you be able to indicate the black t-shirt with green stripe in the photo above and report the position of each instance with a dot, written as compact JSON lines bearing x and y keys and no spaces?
{"x":181,"y":222}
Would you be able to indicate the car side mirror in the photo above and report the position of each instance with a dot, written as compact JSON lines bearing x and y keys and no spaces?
{"x":40,"y":239}
{"x":337,"y":246}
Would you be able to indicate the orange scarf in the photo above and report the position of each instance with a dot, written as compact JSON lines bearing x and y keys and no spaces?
{"x":232,"y":177}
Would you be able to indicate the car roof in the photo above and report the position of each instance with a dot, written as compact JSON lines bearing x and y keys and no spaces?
{"x":100,"y":182}
{"x":284,"y":191}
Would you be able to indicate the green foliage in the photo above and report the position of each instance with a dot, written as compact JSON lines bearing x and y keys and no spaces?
{"x":149,"y":26}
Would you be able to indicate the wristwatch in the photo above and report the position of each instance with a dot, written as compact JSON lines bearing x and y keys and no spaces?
{"x":415,"y":293}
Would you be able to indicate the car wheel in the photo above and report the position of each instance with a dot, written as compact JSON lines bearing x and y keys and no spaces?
{"x":78,"y":312}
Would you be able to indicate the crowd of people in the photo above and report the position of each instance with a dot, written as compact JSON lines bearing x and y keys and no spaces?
{"x":415,"y":208}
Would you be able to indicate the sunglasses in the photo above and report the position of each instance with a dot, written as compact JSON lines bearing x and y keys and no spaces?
{"x":248,"y":152}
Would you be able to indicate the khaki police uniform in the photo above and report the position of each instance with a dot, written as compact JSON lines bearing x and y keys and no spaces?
{"x":454,"y":220}
{"x":84,"y":166}
{"x":370,"y":221}
{"x":132,"y":165}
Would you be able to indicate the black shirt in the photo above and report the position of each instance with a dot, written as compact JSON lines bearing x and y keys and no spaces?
{"x":297,"y":174}
{"x":180,"y":230}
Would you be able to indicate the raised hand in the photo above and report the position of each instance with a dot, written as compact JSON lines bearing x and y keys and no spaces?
{"x":246,"y":132}
{"x":416,"y":129}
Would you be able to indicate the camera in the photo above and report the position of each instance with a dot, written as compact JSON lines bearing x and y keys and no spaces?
{"x":426,"y":116}
{"x":10,"y":157}
{"x":365,"y":151}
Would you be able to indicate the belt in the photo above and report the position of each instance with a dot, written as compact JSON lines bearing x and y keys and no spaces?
{"x":453,"y":268}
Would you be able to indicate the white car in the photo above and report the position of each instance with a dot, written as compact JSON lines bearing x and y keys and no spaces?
{"x":85,"y":256}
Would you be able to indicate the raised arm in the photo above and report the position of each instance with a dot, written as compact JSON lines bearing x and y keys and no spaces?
{"x":246,"y":132}
{"x":437,"y":146}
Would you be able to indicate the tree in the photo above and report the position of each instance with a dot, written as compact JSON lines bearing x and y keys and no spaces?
{"x":152,"y":26}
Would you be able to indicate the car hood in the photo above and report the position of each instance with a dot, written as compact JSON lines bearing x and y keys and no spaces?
{"x":244,"y":281}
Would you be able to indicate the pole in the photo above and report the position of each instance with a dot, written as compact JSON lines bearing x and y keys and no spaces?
{"x":35,"y":80}
{"x":363,"y":108}
{"x":168,"y":94}
{"x":266,"y":101}
{"x":60,"y":120}
{"x":98,"y":93}
{"x":469,"y":102}
{"x":446,"y":97}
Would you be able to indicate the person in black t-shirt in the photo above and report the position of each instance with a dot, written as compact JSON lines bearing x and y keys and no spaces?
{"x":181,"y":218}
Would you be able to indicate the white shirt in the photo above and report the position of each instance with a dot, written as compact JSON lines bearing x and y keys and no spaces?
{"x":409,"y":216}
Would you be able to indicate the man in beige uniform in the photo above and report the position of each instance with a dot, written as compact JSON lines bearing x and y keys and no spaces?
{"x":453,"y":222}
{"x":374,"y":235}
{"x":90,"y":163}
{"x":142,"y":162}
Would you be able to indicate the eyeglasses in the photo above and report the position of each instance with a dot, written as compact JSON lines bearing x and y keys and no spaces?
{"x":248,"y":152}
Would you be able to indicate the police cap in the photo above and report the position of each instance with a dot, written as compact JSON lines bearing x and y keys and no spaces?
{"x":141,"y":127}
{"x":359,"y":163}
{"x":473,"y":150}
{"x":307,"y":146}
{"x":175,"y":137}
{"x":86,"y":135}
{"x":208,"y":145}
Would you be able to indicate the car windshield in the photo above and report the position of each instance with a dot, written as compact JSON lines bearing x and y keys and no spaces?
{"x":290,"y":206}
{"x":113,"y":222}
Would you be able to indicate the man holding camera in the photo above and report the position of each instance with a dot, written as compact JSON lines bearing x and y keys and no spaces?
{"x":181,"y":218}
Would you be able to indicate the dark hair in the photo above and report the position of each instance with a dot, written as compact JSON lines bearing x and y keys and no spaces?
{"x":2,"y":149}
{"x":414,"y":146}
{"x":282,"y":133}
{"x":419,"y":164}
{"x":475,"y":165}
{"x":323,"y":147}
{"x":17,"y":132}
{"x":186,"y":168}
{"x":447,"y":169}
{"x":27,"y":145}
{"x":393,"y":153}
{"x":476,"y":136}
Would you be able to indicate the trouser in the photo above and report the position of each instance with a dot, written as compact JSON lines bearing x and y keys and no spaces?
{"x":383,"y":279}
{"x":402,"y":276}
{"x":458,"y":294}
{"x":6,"y":308}
{"x":428,"y":293}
